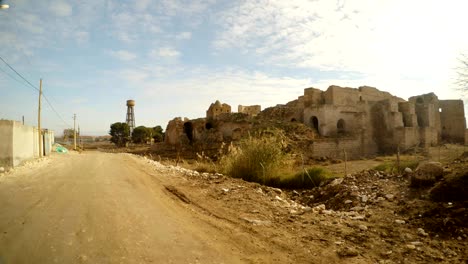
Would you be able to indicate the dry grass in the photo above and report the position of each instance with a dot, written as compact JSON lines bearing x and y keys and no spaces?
{"x":446,"y":153}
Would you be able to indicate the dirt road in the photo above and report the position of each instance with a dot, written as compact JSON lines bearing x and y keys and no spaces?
{"x":109,"y":208}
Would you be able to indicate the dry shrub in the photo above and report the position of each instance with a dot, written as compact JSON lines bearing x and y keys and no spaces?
{"x":263,"y":160}
{"x":308,"y":178}
{"x":256,"y":159}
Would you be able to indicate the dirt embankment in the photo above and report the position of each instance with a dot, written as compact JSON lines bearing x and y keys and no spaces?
{"x":366,"y":217}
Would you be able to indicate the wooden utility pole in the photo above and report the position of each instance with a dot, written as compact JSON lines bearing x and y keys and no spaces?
{"x":39,"y":121}
{"x":74,"y":131}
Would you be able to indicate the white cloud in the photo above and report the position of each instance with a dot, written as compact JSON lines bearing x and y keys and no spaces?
{"x":142,"y":5}
{"x":389,"y":42}
{"x":61,"y":8}
{"x":184,"y":36}
{"x":82,"y":36}
{"x":123,"y":55}
{"x":31,"y":23}
{"x":133,"y":76}
{"x":165,"y":52}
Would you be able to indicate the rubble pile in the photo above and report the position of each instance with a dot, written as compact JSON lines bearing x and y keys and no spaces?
{"x":352,"y":192}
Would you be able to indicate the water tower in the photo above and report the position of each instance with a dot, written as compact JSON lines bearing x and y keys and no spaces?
{"x":131,"y":115}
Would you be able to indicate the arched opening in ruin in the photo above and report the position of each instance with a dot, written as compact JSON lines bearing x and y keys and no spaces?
{"x":208,"y":125}
{"x":419,"y":100}
{"x":440,"y":110}
{"x":188,"y":130}
{"x":340,"y":125}
{"x":360,"y":98}
{"x":420,"y":121}
{"x":315,"y":123}
{"x":293,"y":120}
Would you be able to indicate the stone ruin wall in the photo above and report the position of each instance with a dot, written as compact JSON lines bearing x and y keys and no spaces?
{"x":251,"y":110}
{"x":217,"y":109}
{"x":364,"y":121}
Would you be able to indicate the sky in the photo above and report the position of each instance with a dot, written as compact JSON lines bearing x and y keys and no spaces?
{"x":176,"y":57}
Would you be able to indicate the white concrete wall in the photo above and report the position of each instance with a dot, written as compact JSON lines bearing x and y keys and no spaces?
{"x":19,"y":143}
{"x":6,"y":143}
{"x":23,"y":143}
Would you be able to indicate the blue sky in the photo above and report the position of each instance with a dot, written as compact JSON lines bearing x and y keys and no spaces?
{"x":175,"y":57}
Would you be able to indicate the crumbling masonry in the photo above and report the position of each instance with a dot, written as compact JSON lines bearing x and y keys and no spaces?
{"x":362,"y":121}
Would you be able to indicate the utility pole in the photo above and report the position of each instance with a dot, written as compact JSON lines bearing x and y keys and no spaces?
{"x":74,"y":131}
{"x":39,"y":121}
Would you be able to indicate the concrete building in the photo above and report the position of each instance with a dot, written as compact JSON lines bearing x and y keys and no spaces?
{"x":19,"y":143}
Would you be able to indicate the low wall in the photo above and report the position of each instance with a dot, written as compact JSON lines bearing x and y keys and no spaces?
{"x":23,"y":143}
{"x":19,"y":143}
{"x":6,"y":143}
{"x":333,"y":148}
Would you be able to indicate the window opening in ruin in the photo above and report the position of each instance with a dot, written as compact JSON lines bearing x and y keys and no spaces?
{"x":188,"y":130}
{"x":293,"y":120}
{"x":340,"y":125}
{"x":419,"y":100}
{"x":315,"y":123}
{"x":208,"y":125}
{"x":440,"y":110}
{"x":360,"y":98}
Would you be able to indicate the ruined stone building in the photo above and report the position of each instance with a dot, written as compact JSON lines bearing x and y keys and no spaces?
{"x":362,"y":121}
{"x":251,"y":110}
{"x":216,"y":109}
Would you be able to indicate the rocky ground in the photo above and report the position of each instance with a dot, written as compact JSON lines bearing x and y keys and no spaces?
{"x":365,"y":217}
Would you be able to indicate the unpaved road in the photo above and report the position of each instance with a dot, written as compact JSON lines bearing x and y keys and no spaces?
{"x":109,"y":208}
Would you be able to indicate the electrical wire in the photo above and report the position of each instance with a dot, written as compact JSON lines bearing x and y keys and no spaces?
{"x":17,"y":73}
{"x":34,"y":87}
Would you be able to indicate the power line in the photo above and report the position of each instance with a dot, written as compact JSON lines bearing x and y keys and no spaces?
{"x":11,"y":76}
{"x":17,"y":73}
{"x":34,"y":87}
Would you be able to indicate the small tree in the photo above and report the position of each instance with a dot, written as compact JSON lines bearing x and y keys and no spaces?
{"x":142,"y":134}
{"x":158,"y":134}
{"x":120,"y":133}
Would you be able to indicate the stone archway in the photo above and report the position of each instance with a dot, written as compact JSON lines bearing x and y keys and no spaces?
{"x":315,"y":123}
{"x":341,"y":126}
{"x":188,"y":130}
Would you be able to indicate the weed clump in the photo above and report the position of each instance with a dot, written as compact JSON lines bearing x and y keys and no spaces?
{"x":263,"y":160}
{"x":392,"y":166}
{"x":308,"y":178}
{"x":255,"y":159}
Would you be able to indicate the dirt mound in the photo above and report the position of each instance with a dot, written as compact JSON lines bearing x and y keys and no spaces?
{"x":453,"y":188}
{"x":426,"y":174}
{"x":447,"y":220}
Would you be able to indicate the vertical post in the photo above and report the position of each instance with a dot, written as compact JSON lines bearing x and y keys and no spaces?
{"x":303,"y":169}
{"x":439,"y":153}
{"x":39,"y":121}
{"x":74,"y":131}
{"x":346,"y":162}
{"x":23,"y":120}
{"x":398,"y":159}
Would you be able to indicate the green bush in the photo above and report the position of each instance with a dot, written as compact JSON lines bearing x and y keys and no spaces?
{"x":255,"y":159}
{"x":392,"y":166}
